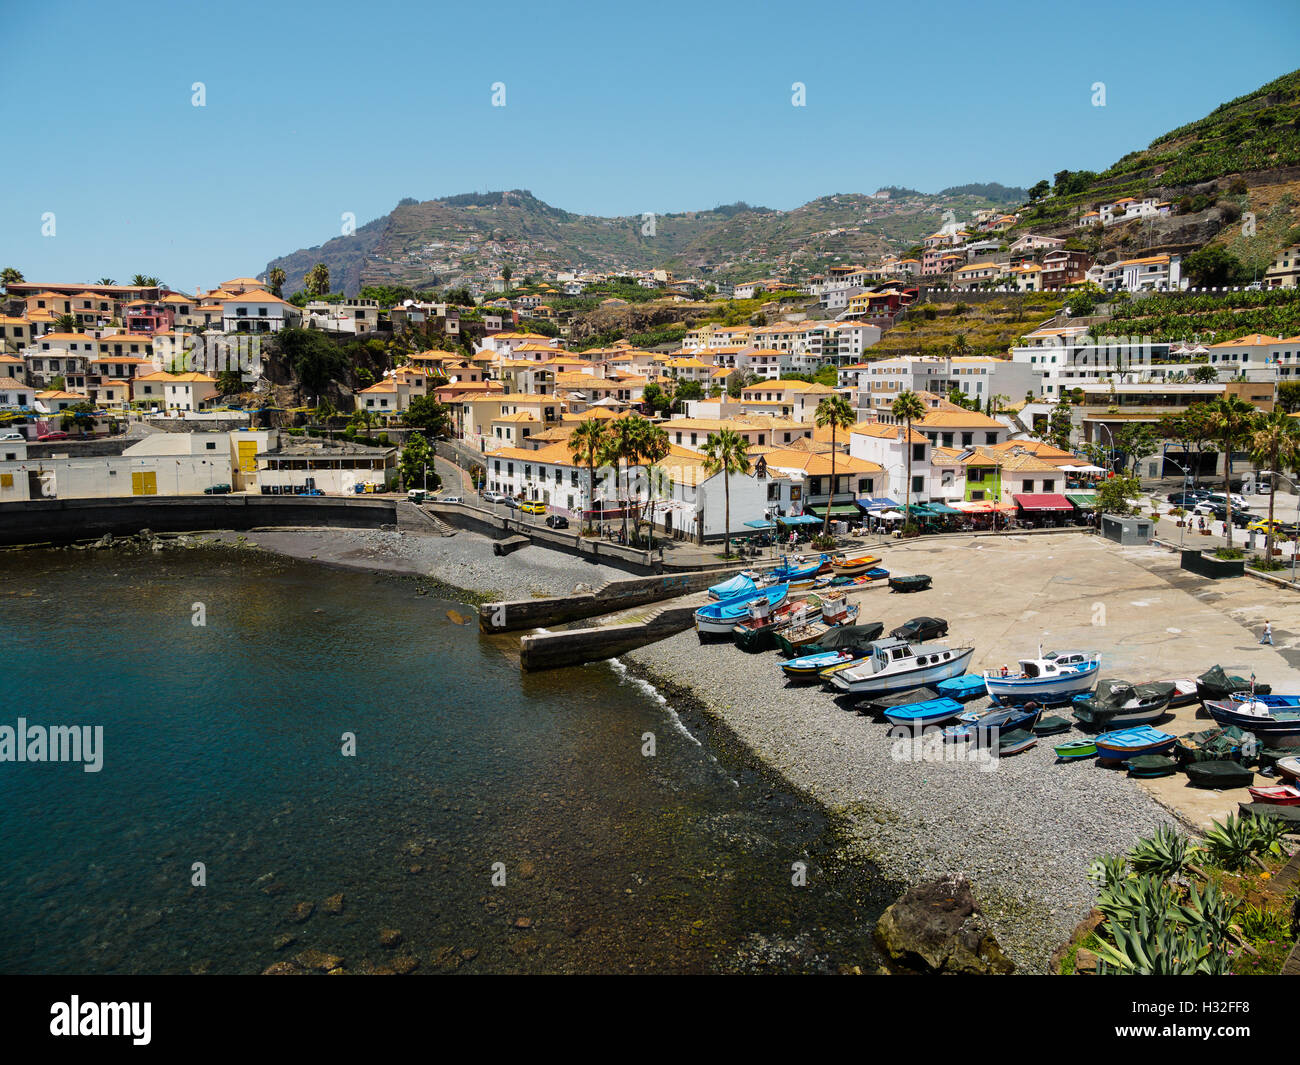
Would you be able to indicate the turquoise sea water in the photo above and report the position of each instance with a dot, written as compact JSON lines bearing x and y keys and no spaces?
{"x":222,"y":745}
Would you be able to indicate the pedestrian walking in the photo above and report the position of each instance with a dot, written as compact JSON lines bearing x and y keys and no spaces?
{"x":1268,"y":634}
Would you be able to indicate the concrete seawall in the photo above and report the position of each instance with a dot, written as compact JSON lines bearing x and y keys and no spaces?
{"x":607,"y":599}
{"x":41,"y":521}
{"x":552,"y":650}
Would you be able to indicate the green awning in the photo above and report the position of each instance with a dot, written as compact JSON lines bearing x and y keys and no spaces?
{"x":1082,"y":501}
{"x":840,"y":510}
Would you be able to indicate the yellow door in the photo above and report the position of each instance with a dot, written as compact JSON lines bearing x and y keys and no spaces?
{"x":248,"y":456}
{"x":144,"y":483}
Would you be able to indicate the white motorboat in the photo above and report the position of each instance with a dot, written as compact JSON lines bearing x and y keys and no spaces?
{"x":896,"y":665}
{"x":1057,"y":676}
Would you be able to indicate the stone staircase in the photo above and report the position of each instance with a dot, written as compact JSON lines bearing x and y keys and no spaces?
{"x":415,"y":519}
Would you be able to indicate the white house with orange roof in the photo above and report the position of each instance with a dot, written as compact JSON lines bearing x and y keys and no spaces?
{"x":888,"y":446}
{"x":794,"y":400}
{"x":256,"y":311}
{"x":173,"y":393}
{"x":58,"y":355}
{"x":1148,"y":273}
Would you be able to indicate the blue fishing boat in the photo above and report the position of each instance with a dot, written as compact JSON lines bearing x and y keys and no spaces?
{"x":985,"y":727}
{"x":794,"y":572}
{"x":808,"y":666}
{"x":740,"y":584}
{"x":964,"y":688}
{"x":929,"y":712}
{"x":1115,"y":748}
{"x":718,"y":619}
{"x":1050,"y":678}
{"x":1273,"y":702}
{"x":1257,"y":716}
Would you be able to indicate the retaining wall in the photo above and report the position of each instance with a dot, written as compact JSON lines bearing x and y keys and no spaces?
{"x":41,"y":521}
{"x":611,"y":597}
{"x":552,"y":650}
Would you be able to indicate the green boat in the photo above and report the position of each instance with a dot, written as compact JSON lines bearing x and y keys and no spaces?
{"x":1076,"y":749}
{"x":1050,"y":726}
{"x":1152,"y":765}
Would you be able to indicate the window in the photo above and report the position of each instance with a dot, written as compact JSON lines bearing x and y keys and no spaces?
{"x":990,"y":438}
{"x":918,"y":452}
{"x":918,"y":484}
{"x":1049,"y":485}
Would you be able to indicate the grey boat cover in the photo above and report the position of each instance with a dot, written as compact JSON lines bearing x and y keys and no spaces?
{"x":851,"y":636}
{"x":1215,"y":684}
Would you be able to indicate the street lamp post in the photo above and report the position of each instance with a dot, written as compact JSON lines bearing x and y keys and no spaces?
{"x":1182,"y":539}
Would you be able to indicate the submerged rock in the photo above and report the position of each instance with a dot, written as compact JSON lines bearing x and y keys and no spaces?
{"x":301,"y":912}
{"x":389,"y":937}
{"x":318,"y":960}
{"x":333,"y":904}
{"x":937,"y":927}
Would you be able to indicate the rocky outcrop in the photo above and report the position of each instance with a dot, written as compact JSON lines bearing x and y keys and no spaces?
{"x":937,"y":927}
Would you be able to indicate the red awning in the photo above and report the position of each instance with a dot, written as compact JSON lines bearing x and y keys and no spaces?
{"x":1043,"y":501}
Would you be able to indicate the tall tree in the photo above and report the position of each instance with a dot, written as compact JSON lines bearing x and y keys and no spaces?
{"x":833,"y":411}
{"x":11,"y":275}
{"x":318,"y":280}
{"x":106,"y":281}
{"x":907,"y":408}
{"x":1276,"y":441}
{"x":587,"y":446}
{"x":624,"y":448}
{"x":276,"y":279}
{"x":655,"y":447}
{"x":1233,"y":420}
{"x":726,"y":452}
{"x":66,"y":323}
{"x":145,"y":281}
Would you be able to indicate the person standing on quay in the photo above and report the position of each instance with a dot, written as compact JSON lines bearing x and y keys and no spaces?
{"x":1268,"y":634}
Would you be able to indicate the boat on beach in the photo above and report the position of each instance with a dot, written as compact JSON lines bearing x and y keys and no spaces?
{"x":1015,"y":742}
{"x":984,"y":728}
{"x":964,"y":688}
{"x":718,"y":619}
{"x":915,"y":582}
{"x":1257,"y":716}
{"x":1216,"y":685}
{"x":1218,"y":774}
{"x":873,"y":576}
{"x":808,"y":667}
{"x":1075,"y":750}
{"x":757,"y":632}
{"x":1184,"y":693}
{"x":878,"y":705}
{"x":896,"y":665}
{"x":836,"y":611}
{"x":1115,"y":748}
{"x":1277,"y":794}
{"x":843,"y":565}
{"x":741,"y":584}
{"x":925,"y":712}
{"x":840,"y":637}
{"x":1053,"y":677}
{"x":1150,"y":766}
{"x":1119,"y":704}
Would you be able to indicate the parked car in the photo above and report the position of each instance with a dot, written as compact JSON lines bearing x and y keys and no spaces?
{"x":53,"y":436}
{"x":1240,"y":518}
{"x":557,"y":521}
{"x":450,"y":499}
{"x":533,"y":508}
{"x":418,"y":495}
{"x":1237,"y":501}
{"x":1284,"y":528}
{"x":13,"y":434}
{"x":1189,"y":498}
{"x":493,"y":497}
{"x":512,"y":502}
{"x":921,"y":629}
{"x":217,"y":490}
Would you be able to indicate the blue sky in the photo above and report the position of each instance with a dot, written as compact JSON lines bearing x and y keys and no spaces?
{"x":313,"y":110}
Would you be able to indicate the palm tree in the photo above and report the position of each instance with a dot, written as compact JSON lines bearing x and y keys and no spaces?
{"x":318,"y":280}
{"x":835,"y":412}
{"x":726,"y":452}
{"x":145,"y":281}
{"x":10,"y":275}
{"x":66,"y":323}
{"x":106,"y":281}
{"x":907,"y":408}
{"x":276,"y":278}
{"x":625,"y":447}
{"x":655,"y":447}
{"x":960,"y":345}
{"x":587,"y":445}
{"x":1233,"y":420}
{"x":1276,"y":441}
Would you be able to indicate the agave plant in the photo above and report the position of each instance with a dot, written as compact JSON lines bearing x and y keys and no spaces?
{"x":1268,"y":832}
{"x":1143,"y":896}
{"x":1108,"y":869}
{"x":1210,"y":909}
{"x":1232,"y":844}
{"x":1166,"y":854}
{"x":1157,"y":945}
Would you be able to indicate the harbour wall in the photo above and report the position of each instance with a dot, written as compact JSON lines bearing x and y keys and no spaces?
{"x":61,"y":521}
{"x":552,"y":650}
{"x":611,"y":597}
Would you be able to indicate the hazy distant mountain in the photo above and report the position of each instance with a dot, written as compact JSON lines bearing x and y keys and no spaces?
{"x":435,"y":243}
